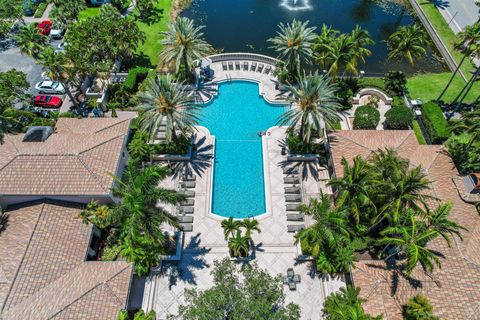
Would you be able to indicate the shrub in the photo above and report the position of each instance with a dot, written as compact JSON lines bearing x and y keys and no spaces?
{"x":366,"y":117}
{"x":110,"y":253}
{"x":418,"y":308}
{"x":40,"y":10}
{"x":180,"y":146}
{"x":400,"y":118}
{"x":134,"y":77}
{"x":396,"y":83}
{"x":398,"y":102}
{"x":346,"y":87}
{"x":435,"y":122}
{"x":347,"y":302}
{"x":465,"y":157}
{"x":68,"y":114}
{"x":296,"y":145}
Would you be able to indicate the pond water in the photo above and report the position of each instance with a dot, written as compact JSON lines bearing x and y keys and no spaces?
{"x":245,"y":25}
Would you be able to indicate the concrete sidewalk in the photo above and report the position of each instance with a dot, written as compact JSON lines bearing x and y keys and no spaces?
{"x":458,"y":13}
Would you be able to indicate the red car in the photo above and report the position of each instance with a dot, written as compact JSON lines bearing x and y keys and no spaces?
{"x":47,"y":101}
{"x":44,"y":27}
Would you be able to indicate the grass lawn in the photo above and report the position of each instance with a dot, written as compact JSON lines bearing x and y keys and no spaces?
{"x":428,"y":87}
{"x":88,"y":13}
{"x":446,"y":34}
{"x":152,"y":47}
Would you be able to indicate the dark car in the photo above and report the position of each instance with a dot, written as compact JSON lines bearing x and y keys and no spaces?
{"x":47,"y":101}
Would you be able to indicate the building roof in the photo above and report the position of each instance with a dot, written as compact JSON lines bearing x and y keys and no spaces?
{"x":75,"y":160}
{"x":43,"y":272}
{"x":453,"y":290}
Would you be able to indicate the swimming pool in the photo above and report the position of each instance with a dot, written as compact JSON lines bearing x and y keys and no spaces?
{"x":235,"y":117}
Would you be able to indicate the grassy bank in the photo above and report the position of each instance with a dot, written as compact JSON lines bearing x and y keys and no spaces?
{"x":152,"y":27}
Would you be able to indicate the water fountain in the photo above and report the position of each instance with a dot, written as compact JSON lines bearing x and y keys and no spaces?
{"x":296,"y":5}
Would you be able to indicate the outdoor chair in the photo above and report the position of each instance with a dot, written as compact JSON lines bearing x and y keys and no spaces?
{"x":290,"y":273}
{"x":290,"y":171}
{"x":188,"y":202}
{"x":245,"y":66}
{"x":260,"y":68}
{"x":190,"y":177}
{"x":188,"y":193}
{"x":224,"y":66}
{"x":293,"y":198}
{"x":292,"y":190}
{"x":230,"y":65}
{"x":295,"y":227}
{"x":237,"y":65}
{"x":296,"y":278}
{"x":187,"y":184}
{"x":291,"y":180}
{"x":267,"y":69}
{"x":292,"y":286}
{"x":253,"y":66}
{"x":292,"y":207}
{"x":186,"y":227}
{"x":294,"y":217}
{"x":185,"y":219}
{"x":185,"y":210}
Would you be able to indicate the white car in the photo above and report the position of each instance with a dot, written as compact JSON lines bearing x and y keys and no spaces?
{"x":57,"y":33}
{"x":48,"y":86}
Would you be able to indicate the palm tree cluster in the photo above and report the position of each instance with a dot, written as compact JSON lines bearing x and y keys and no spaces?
{"x":238,"y":243}
{"x":135,"y":221}
{"x":346,"y":304}
{"x":169,"y":104}
{"x":335,"y":51}
{"x":408,"y":42}
{"x":382,"y":206}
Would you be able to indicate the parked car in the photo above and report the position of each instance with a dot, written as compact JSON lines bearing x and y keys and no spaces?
{"x":47,"y":101}
{"x":48,"y":86}
{"x":45,"y":26}
{"x":57,"y":33}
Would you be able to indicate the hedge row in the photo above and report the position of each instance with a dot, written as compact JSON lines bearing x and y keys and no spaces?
{"x":134,"y":77}
{"x":40,"y":10}
{"x":435,"y":122}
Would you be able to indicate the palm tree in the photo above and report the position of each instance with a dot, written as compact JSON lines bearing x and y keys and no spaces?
{"x":410,"y":242}
{"x":330,"y":225}
{"x":55,"y":65}
{"x":467,"y":43}
{"x":293,"y":44}
{"x":439,"y":221}
{"x":354,"y":187}
{"x":341,"y":54}
{"x":183,"y":43}
{"x":239,"y":245}
{"x":30,"y":41}
{"x":314,"y":103}
{"x":469,"y":124}
{"x":361,"y":38}
{"x":140,"y":213}
{"x":408,"y":42}
{"x":166,"y":103}
{"x":13,"y":120}
{"x":322,"y":43}
{"x":250,"y":225}
{"x":230,"y":226}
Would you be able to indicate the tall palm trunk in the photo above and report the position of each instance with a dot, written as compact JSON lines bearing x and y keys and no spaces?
{"x":463,"y":93}
{"x":452,"y":77}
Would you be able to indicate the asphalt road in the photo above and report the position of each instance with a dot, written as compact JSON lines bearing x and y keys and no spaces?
{"x":460,"y":13}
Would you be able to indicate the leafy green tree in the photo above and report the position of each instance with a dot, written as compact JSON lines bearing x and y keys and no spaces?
{"x":167,"y":103}
{"x":293,"y":44}
{"x":99,"y":215}
{"x":235,"y":296}
{"x":138,"y":148}
{"x":11,"y":10}
{"x":250,"y":225}
{"x":409,"y":42}
{"x":183,"y":43}
{"x":138,"y":216}
{"x":230,"y":227}
{"x":396,"y":82}
{"x":13,"y":87}
{"x":314,"y":104}
{"x":354,"y":187}
{"x":95,"y":43}
{"x":5,"y":27}
{"x":346,"y":305}
{"x":30,"y":41}
{"x":66,"y":12}
{"x":144,"y":7}
{"x":464,"y":152}
{"x":418,"y":308}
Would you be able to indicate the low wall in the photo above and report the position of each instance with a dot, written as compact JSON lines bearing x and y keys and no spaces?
{"x":243,"y":56}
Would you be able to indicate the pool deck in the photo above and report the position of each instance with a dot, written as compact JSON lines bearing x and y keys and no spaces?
{"x":275,"y":248}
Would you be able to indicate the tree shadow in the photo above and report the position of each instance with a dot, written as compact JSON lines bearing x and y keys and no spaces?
{"x":440,"y":4}
{"x":192,"y":260}
{"x":152,"y":16}
{"x":142,"y":60}
{"x":201,"y":159}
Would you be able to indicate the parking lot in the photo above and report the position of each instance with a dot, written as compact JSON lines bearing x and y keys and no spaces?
{"x":11,"y":58}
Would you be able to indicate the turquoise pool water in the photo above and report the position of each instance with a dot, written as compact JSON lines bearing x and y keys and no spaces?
{"x":235,"y":117}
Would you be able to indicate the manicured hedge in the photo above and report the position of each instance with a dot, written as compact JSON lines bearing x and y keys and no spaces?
{"x":366,"y":117}
{"x":134,"y":77}
{"x":399,"y":118}
{"x":435,"y":122}
{"x":40,"y":10}
{"x":378,"y":83}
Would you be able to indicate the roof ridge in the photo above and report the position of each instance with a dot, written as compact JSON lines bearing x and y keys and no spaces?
{"x":9,"y":162}
{"x":355,"y":142}
{"x":112,"y":125}
{"x":93,"y":174}
{"x":23,"y":257}
{"x":100,"y":144}
{"x":92,"y":288}
{"x":404,"y":140}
